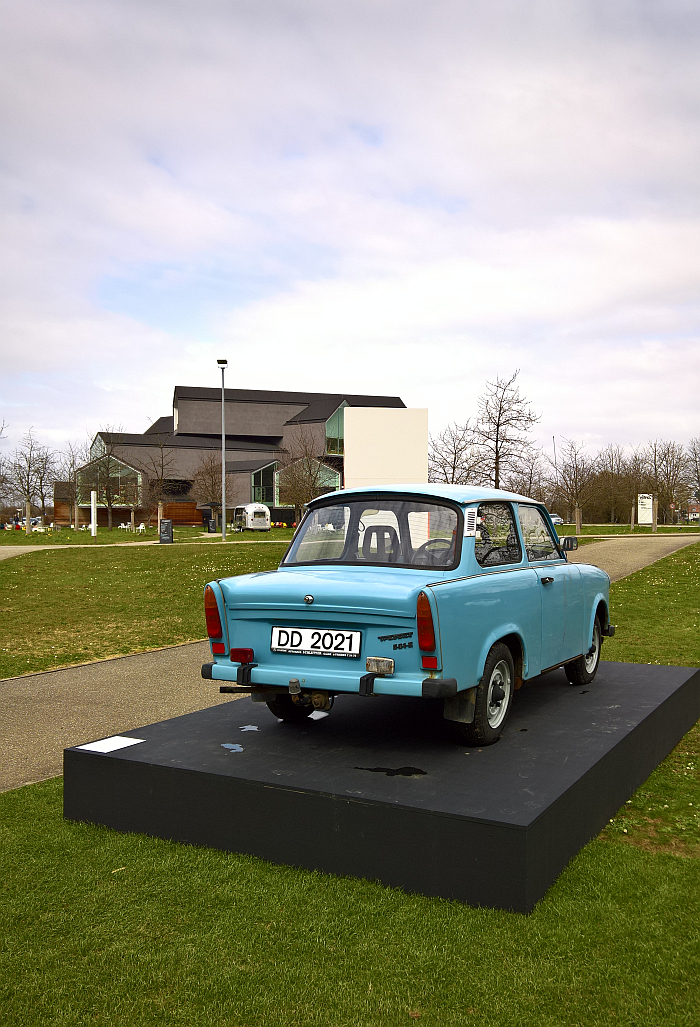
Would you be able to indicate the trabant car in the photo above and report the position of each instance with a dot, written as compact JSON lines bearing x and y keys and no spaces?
{"x":436,"y":591}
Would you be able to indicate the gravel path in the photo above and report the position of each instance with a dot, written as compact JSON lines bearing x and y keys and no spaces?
{"x":41,"y":714}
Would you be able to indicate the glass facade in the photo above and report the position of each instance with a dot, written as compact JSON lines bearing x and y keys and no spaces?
{"x":335,"y":432}
{"x":263,"y":485}
{"x":115,"y":482}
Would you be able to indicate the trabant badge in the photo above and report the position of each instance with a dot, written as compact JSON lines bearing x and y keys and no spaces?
{"x":308,"y":599}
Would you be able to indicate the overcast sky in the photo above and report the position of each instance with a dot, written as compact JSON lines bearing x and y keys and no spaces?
{"x":378,"y":196}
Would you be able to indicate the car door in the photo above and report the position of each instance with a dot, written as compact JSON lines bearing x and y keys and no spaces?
{"x":503,"y":599}
{"x":561,"y":592}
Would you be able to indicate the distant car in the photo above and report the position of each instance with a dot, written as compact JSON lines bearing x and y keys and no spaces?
{"x":441,"y":591}
{"x":556,"y":519}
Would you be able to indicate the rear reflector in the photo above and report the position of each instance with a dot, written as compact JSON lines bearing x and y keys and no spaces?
{"x":211,"y":613}
{"x":429,"y":662}
{"x":218,"y":648}
{"x":426,"y":631}
{"x":242,"y":655}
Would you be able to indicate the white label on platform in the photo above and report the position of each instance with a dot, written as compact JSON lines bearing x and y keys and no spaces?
{"x":110,"y":744}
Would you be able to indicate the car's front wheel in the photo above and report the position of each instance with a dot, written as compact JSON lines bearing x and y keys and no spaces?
{"x":284,"y":708}
{"x":493,"y":697}
{"x":582,"y":670}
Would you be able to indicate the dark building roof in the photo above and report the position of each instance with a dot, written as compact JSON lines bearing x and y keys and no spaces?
{"x":164,"y":425}
{"x":319,"y":405}
{"x":263,"y":443}
{"x":254,"y":464}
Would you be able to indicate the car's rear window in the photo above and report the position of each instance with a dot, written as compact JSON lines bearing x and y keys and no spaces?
{"x":379,"y":531}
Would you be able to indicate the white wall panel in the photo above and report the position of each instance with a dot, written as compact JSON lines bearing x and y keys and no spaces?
{"x":385,"y":446}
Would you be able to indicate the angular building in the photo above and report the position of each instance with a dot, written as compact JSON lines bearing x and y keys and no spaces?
{"x":266,"y":432}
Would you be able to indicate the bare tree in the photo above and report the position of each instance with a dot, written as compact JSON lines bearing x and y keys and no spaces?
{"x":454,"y":457}
{"x":106,"y":473}
{"x":156,"y":469}
{"x":502,"y":429}
{"x":530,"y":477}
{"x":693,"y":468}
{"x":23,"y":470}
{"x":610,"y":464}
{"x":71,"y":459}
{"x":303,"y":475}
{"x":46,"y":472}
{"x":635,"y":480}
{"x":575,"y":479}
{"x":668,"y":474}
{"x":206,"y":484}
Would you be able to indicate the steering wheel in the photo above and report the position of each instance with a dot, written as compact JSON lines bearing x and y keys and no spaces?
{"x":426,"y":553}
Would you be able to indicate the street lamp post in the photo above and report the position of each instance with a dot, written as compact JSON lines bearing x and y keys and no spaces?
{"x":222,"y":364}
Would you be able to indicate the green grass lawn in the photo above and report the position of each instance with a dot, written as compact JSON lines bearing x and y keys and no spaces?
{"x":58,"y":608}
{"x":624,"y":529}
{"x":105,"y":537}
{"x":111,"y":929}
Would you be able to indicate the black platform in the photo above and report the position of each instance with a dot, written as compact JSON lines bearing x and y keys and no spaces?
{"x":382,"y":788}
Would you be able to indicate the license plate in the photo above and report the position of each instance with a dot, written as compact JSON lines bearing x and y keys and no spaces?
{"x":316,"y":642}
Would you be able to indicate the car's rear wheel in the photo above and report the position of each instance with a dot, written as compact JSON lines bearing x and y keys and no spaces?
{"x":284,"y":708}
{"x":493,"y":697}
{"x":584,"y":669}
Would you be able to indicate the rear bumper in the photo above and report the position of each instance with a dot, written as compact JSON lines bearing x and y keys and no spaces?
{"x":259,"y":677}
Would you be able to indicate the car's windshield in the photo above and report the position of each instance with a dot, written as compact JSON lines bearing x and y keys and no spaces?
{"x":379,"y":530}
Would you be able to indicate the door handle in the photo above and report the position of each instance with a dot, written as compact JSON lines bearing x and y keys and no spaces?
{"x":546,"y":581}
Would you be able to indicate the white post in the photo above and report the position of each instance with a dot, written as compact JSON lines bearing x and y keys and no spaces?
{"x":222,"y":364}
{"x":93,"y":513}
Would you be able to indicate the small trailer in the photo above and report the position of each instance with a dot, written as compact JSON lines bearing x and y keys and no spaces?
{"x":251,"y":517}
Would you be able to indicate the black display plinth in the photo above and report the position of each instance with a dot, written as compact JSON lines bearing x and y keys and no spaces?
{"x":382,"y":788}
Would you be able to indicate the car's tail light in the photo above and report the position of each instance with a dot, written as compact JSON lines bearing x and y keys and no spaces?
{"x":218,"y":648}
{"x":242,"y":655}
{"x":429,"y":662}
{"x":211,"y":613}
{"x":426,"y":631}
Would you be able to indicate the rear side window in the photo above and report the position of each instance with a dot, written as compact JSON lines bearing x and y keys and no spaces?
{"x":539,"y":542}
{"x":497,"y":539}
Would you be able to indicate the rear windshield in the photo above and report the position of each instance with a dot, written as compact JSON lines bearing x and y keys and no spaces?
{"x":385,"y":531}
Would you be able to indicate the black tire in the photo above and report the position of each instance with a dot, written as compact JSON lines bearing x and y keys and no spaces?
{"x":490,"y":715}
{"x":584,"y":669}
{"x":284,"y":708}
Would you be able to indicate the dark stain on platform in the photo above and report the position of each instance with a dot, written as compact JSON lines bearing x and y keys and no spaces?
{"x":399,"y":772}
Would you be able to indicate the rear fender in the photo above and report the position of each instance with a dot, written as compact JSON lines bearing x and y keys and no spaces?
{"x":495,"y":636}
{"x":599,"y":600}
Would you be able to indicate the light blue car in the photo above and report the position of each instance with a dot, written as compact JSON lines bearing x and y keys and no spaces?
{"x":436,"y":591}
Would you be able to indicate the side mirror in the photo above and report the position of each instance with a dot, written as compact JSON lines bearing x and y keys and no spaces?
{"x":568,"y":542}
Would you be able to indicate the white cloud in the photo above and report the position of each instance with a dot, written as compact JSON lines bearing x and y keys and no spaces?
{"x":397,"y":197}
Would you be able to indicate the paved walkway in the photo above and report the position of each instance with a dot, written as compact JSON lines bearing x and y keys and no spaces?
{"x":41,"y":714}
{"x":622,"y":556}
{"x":7,"y":551}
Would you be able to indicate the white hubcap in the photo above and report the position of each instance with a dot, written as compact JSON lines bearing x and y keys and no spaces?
{"x":497,"y":704}
{"x":592,"y":660}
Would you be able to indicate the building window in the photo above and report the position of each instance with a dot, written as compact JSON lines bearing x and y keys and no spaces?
{"x":335,"y":431}
{"x":263,"y":485}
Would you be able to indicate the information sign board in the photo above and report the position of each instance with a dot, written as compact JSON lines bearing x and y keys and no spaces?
{"x":645,"y":506}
